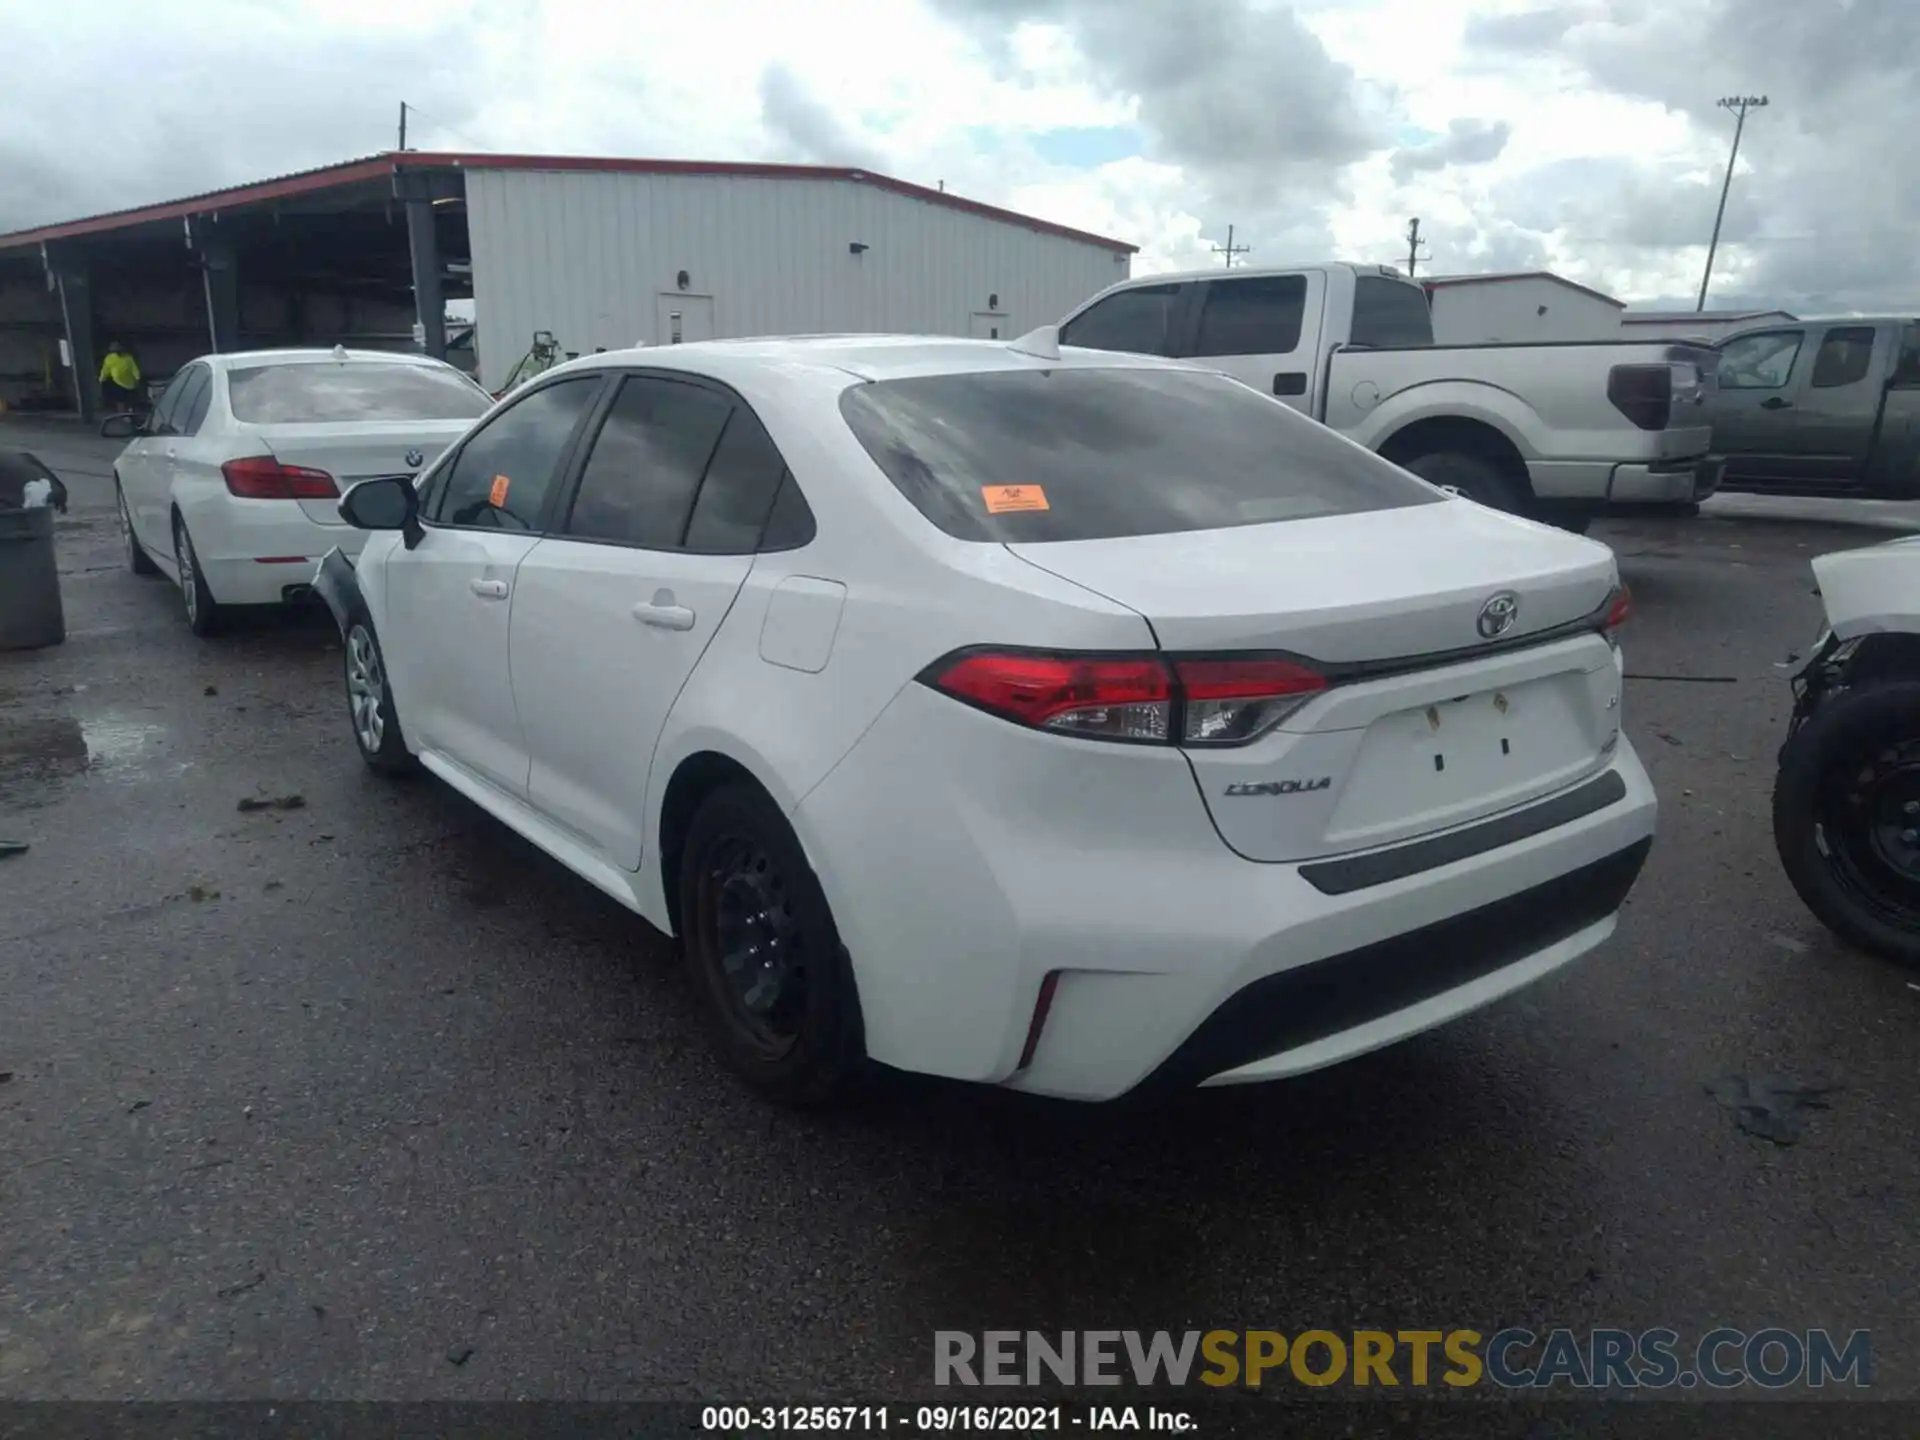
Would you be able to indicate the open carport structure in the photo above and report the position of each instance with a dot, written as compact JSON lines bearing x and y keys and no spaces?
{"x":599,"y":253}
{"x":349,"y":253}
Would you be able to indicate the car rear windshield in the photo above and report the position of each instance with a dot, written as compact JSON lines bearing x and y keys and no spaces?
{"x":341,"y":392}
{"x":1088,"y":454}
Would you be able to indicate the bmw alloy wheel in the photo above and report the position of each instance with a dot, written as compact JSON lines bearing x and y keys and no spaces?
{"x":366,"y":689}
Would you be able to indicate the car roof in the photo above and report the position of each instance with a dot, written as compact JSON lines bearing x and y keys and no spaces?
{"x":839,"y":360}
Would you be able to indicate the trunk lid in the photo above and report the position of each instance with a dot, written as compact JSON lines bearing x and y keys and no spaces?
{"x":1429,"y":722}
{"x":363,"y":450}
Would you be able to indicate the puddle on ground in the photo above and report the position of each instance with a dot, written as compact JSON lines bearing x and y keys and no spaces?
{"x":35,"y":753}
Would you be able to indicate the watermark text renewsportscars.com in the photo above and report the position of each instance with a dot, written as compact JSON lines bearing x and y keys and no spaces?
{"x":1513,"y":1358}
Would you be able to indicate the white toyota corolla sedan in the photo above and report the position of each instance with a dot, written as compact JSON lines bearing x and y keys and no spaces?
{"x":1062,"y":720}
{"x":232,"y":485}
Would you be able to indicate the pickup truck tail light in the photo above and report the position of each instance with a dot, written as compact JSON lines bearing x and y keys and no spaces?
{"x":1149,"y":699}
{"x":1651,"y":395}
{"x":1642,"y":393}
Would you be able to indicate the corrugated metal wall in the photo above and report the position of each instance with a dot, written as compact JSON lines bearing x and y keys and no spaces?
{"x":589,"y":256}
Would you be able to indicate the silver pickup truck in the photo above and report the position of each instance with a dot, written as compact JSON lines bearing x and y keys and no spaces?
{"x":1560,"y":431}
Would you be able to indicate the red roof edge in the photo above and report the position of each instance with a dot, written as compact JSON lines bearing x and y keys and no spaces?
{"x":303,"y":182}
{"x":374,"y":167}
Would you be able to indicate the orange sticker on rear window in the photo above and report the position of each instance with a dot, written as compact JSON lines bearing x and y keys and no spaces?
{"x":497,"y":497}
{"x":1008,"y":499}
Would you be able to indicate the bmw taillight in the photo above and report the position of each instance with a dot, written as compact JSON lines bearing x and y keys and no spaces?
{"x":1150,"y":699}
{"x":261,"y":477}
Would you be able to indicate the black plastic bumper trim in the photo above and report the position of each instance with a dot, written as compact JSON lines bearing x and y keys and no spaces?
{"x":1377,"y":867}
{"x":1295,"y":1007}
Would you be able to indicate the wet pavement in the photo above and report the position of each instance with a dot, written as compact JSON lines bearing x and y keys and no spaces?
{"x":310,"y":1101}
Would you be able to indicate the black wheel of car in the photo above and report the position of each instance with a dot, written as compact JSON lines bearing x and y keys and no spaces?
{"x":764,"y":954}
{"x":138,"y":561}
{"x":1846,"y":816}
{"x":204,"y":614}
{"x":1473,"y":476}
{"x":370,"y":708}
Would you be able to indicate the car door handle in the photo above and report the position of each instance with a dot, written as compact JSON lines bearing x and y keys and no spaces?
{"x":489,"y":589}
{"x":1774,"y":402}
{"x":663,"y":614}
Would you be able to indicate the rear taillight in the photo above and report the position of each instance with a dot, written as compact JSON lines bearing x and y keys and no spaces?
{"x":1143,"y":699}
{"x":1100,"y":697}
{"x":261,"y":477}
{"x":1643,"y":393}
{"x":1229,"y":702}
{"x":1619,"y":608}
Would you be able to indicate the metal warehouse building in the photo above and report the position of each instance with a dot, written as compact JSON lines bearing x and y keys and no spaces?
{"x":601,"y":253}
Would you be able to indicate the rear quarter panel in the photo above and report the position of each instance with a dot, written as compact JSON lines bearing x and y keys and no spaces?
{"x":1549,"y":400}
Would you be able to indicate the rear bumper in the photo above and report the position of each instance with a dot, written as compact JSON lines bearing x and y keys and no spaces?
{"x":1639,"y":482}
{"x":1676,"y":483}
{"x":967,"y":860}
{"x":261,"y":552}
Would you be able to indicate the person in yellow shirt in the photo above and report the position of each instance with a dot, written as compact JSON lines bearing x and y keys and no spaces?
{"x":119,"y":380}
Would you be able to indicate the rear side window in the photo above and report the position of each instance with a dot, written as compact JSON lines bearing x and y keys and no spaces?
{"x":738,"y":492}
{"x":344,"y":391}
{"x":169,"y":401}
{"x":646,"y":463}
{"x":1388,"y":312}
{"x":1843,"y":358}
{"x":1260,"y":315}
{"x":1138,"y":321}
{"x":506,"y":469}
{"x":1087,"y":454}
{"x":1906,"y":370}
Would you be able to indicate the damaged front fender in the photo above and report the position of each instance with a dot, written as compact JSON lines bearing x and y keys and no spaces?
{"x":338,"y":583}
{"x":1871,"y":591}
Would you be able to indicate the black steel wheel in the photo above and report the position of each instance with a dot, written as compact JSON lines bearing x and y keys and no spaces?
{"x":1846,"y":816}
{"x":764,"y":954}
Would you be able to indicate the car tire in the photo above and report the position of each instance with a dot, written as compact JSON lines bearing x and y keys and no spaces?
{"x":1846,"y":775}
{"x":370,"y":710}
{"x":138,"y":561}
{"x":761,"y":947}
{"x":1473,"y":476}
{"x":205,"y":615}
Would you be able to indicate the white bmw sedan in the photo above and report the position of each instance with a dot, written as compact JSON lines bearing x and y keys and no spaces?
{"x":1062,"y":720}
{"x":232,"y":485}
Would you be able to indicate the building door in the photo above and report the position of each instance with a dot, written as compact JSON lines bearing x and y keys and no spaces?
{"x":680,"y":319}
{"x":991,"y":326}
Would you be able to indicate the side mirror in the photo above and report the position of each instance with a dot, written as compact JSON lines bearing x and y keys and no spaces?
{"x":119,"y":427}
{"x":385,"y":504}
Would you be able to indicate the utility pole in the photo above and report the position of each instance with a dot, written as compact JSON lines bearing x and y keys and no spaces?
{"x":1739,"y":104}
{"x":403,"y":124}
{"x":1414,"y":257}
{"x":1230,"y":249}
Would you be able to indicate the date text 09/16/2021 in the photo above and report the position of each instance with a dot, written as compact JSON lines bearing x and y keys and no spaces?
{"x":945,"y":1419}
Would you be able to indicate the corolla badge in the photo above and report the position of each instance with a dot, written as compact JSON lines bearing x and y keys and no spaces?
{"x":416,"y":459}
{"x":1497,"y":615}
{"x":1278,"y":787}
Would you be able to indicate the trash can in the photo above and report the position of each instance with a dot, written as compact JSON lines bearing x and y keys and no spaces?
{"x":30,"y":611}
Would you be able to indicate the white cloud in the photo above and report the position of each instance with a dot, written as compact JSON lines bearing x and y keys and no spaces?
{"x":1580,"y":136}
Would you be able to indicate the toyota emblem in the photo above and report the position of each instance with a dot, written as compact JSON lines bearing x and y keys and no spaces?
{"x":416,"y":459}
{"x":1497,"y":615}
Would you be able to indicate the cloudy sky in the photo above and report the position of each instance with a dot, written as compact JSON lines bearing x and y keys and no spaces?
{"x":1580,"y":136}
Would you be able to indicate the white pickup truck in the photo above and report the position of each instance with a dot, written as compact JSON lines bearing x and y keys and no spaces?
{"x":1560,"y":431}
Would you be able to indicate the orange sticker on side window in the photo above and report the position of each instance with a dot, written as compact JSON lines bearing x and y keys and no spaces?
{"x":1007,"y":499}
{"x":497,"y":497}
